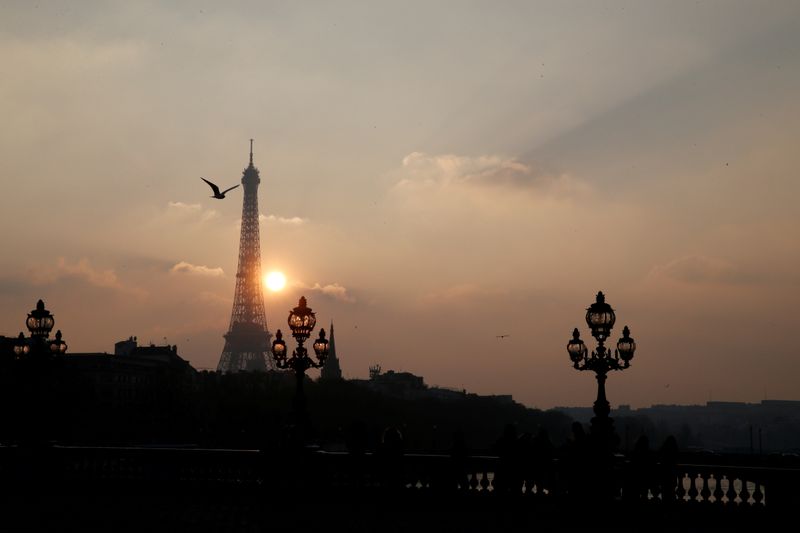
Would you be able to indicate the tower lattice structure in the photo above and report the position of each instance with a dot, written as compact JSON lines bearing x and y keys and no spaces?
{"x":247,"y":343}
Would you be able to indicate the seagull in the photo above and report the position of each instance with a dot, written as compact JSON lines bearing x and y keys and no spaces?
{"x":502,"y":336}
{"x":218,"y":195}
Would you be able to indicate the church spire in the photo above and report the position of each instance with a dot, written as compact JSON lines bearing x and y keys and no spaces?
{"x":331,"y":370}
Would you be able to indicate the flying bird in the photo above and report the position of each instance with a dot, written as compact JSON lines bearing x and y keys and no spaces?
{"x":218,"y":195}
{"x":502,"y":336}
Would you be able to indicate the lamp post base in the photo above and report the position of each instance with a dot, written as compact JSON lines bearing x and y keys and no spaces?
{"x":602,"y":428}
{"x":603,"y":434}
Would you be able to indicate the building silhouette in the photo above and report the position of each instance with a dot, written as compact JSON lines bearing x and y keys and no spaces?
{"x":408,"y":386}
{"x":331,"y":370}
{"x":133,"y":374}
{"x":247,"y":342}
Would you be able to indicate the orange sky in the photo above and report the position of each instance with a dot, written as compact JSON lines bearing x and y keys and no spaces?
{"x":432,"y":176}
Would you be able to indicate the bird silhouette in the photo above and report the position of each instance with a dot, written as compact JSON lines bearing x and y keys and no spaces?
{"x":218,"y":195}
{"x":502,"y":336}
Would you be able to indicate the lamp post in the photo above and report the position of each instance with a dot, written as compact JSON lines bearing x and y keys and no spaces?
{"x":40,"y":379}
{"x":600,"y":318}
{"x":301,"y":321}
{"x":40,"y":323}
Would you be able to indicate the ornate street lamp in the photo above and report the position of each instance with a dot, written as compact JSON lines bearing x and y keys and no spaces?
{"x":40,"y":323}
{"x":301,"y":321}
{"x":600,"y":318}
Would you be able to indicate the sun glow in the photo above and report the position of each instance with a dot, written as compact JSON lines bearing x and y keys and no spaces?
{"x":275,"y":281}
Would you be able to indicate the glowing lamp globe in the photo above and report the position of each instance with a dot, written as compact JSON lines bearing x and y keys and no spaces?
{"x":21,"y":347}
{"x":626,"y":345}
{"x":321,"y":346}
{"x":600,"y":318}
{"x":40,"y":322}
{"x":279,"y":347}
{"x":302,"y":320}
{"x":576,"y":348}
{"x":58,"y":346}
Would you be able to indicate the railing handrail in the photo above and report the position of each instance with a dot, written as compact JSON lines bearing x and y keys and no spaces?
{"x":335,"y":453}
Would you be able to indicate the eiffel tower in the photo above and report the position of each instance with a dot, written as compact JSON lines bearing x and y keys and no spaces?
{"x":247,"y":343}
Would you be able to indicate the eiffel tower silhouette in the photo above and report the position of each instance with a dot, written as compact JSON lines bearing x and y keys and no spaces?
{"x":247,"y":343}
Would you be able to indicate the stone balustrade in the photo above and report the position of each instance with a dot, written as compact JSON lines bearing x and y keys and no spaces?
{"x":720,"y":486}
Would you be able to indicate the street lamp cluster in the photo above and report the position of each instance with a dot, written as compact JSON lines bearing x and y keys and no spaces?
{"x":600,"y":318}
{"x":40,"y":323}
{"x":301,"y":321}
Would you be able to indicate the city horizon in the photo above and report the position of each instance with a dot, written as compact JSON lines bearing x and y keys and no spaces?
{"x":544,"y":407}
{"x":588,"y":392}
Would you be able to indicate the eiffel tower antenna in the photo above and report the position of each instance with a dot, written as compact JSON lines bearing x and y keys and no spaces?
{"x":247,"y":343}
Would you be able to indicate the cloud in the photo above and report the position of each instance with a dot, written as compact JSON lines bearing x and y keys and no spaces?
{"x":83,"y":270}
{"x":331,"y":290}
{"x":294,"y":221}
{"x":192,"y":210}
{"x":697,"y":269}
{"x":424,"y":171}
{"x":184,"y":207}
{"x":187,"y":268}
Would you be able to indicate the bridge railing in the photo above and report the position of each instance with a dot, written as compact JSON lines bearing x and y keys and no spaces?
{"x":719,"y":486}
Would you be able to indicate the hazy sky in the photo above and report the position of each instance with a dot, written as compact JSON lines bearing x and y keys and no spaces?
{"x":433,"y":174}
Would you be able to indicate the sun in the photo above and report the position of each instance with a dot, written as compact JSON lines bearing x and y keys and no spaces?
{"x":275,"y":281}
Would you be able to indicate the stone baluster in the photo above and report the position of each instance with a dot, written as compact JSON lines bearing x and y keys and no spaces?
{"x":413,"y":481}
{"x":485,"y":483}
{"x":462,"y":482}
{"x":718,"y":493}
{"x":705,"y":492}
{"x":744,"y":494}
{"x":680,"y":491}
{"x":693,"y":492}
{"x":426,"y":480}
{"x":758,"y":495}
{"x":732,"y":494}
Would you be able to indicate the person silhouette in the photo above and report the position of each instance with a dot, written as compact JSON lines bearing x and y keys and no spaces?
{"x":390,"y":454}
{"x":526,"y":462}
{"x":456,"y":477}
{"x":543,"y":452}
{"x":392,"y":443}
{"x":575,"y":459}
{"x":640,"y":471}
{"x":508,"y":476}
{"x":356,"y":443}
{"x":665,"y":472}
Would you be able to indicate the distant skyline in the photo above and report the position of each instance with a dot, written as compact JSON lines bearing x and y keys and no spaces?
{"x":433,"y":176}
